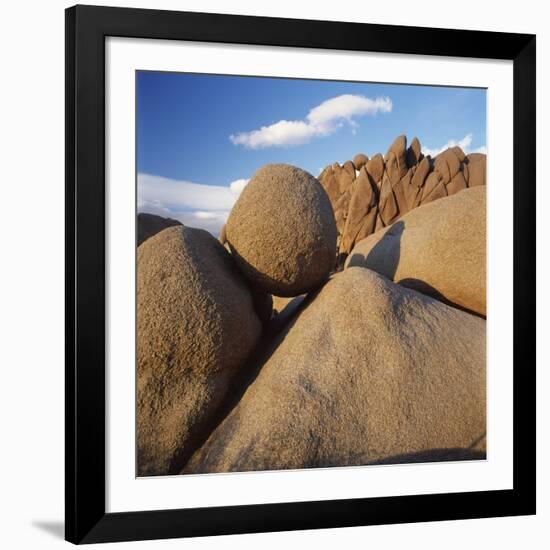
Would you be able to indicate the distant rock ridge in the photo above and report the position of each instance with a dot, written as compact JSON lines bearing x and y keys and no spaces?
{"x":368,"y":194}
{"x":151,"y":224}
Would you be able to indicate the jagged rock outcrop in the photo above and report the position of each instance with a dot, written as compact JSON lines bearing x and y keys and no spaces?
{"x":360,"y":160}
{"x":403,"y":180}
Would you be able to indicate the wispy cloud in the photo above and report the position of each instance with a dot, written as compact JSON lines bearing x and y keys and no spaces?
{"x":463,"y":143}
{"x":322,"y":120}
{"x":193,"y":204}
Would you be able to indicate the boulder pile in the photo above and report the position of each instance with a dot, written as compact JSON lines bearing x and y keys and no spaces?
{"x":258,"y":352}
{"x":369,"y":194}
{"x":344,"y":386}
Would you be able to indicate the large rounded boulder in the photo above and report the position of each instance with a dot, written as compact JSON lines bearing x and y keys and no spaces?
{"x":282,"y":232}
{"x":438,"y":249}
{"x":368,"y":372}
{"x":196,"y":327}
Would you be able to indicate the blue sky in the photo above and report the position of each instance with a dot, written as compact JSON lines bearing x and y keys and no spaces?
{"x":201,"y":137}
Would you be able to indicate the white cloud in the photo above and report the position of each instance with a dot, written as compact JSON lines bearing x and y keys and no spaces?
{"x":238,"y":185}
{"x":282,"y":133}
{"x":184,"y":194}
{"x":322,"y":120}
{"x":193,"y":204}
{"x":346,"y":107}
{"x":210,"y":221}
{"x":463,"y":143}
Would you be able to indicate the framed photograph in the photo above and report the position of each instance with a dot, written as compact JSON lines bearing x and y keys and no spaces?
{"x":300,"y":274}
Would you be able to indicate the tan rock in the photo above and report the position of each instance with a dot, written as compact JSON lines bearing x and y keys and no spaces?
{"x":375,"y":168}
{"x":349,"y":166}
{"x":421,"y":173}
{"x":438,"y":249}
{"x":341,"y":210}
{"x":282,"y":231}
{"x":362,"y":210}
{"x":344,"y":176}
{"x":403,"y":382}
{"x":396,"y":157}
{"x":330,"y":183}
{"x":393,"y":169}
{"x":196,"y":327}
{"x":387,"y":204}
{"x":379,"y":223}
{"x":404,"y":193}
{"x":360,"y":160}
{"x":367,"y":227}
{"x":458,"y":183}
{"x":459,"y":153}
{"x":447,"y":164}
{"x":477,"y":169}
{"x":414,"y":153}
{"x":466,"y":171}
{"x":434,"y":188}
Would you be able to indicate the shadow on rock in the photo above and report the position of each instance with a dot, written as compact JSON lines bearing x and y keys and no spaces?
{"x":385,"y":254}
{"x":384,"y":259}
{"x":429,"y":290}
{"x":272,"y":337}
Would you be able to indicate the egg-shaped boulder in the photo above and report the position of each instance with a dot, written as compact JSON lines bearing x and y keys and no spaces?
{"x":196,"y":327}
{"x":282,"y":231}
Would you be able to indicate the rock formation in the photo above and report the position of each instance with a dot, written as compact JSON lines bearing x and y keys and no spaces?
{"x":438,"y":249}
{"x":360,"y":160}
{"x":150,"y":224}
{"x":281,"y":231}
{"x":259,"y":351}
{"x":400,"y":181}
{"x":196,"y":328}
{"x":369,"y":372}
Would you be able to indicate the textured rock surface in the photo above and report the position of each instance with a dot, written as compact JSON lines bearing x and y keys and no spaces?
{"x":150,"y":224}
{"x":282,"y":231}
{"x":362,"y":211}
{"x":375,"y":168}
{"x":438,"y":249}
{"x":196,"y":327}
{"x":404,"y":179}
{"x":368,"y":372}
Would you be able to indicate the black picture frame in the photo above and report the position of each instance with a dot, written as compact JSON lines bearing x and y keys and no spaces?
{"x":86,"y":520}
